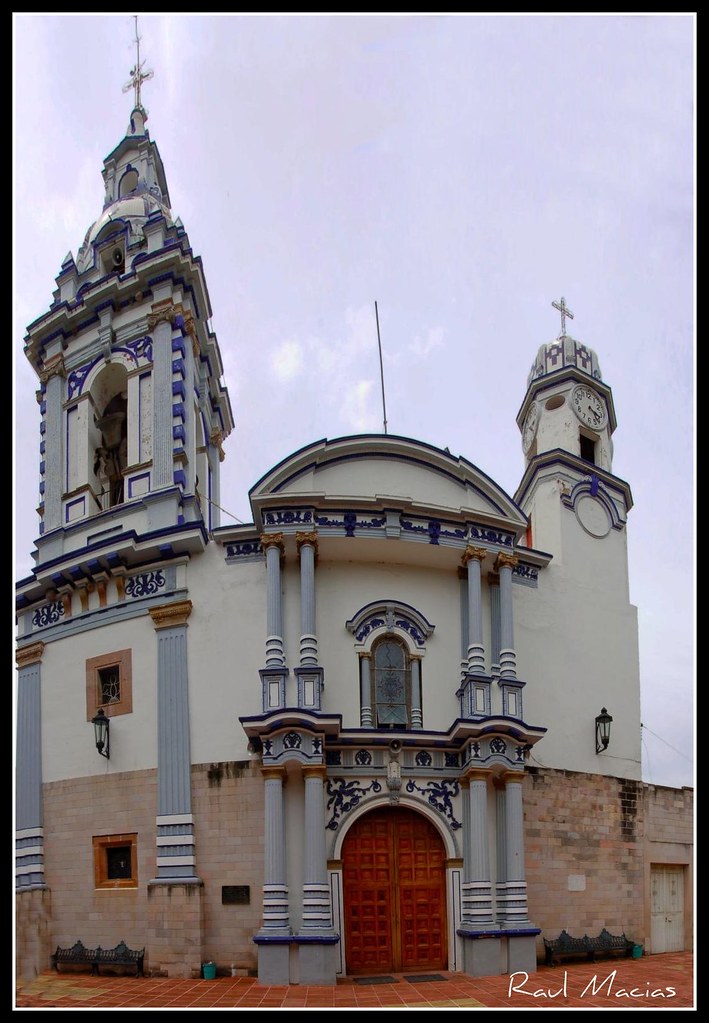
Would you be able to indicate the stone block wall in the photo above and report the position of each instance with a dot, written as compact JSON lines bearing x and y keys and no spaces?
{"x":584,"y":853}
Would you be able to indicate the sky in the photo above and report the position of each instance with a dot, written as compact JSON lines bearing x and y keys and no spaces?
{"x":461,"y":171}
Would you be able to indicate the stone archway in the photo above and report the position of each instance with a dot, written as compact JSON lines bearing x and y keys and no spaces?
{"x":394,"y":885}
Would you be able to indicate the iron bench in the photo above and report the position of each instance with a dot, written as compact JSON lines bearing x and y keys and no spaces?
{"x":79,"y":955}
{"x":605,"y":944}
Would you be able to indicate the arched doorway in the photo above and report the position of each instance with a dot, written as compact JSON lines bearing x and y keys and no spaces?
{"x":394,"y":878}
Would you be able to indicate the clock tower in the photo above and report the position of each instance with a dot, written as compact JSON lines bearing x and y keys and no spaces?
{"x":567,"y":420}
{"x":577,"y":510}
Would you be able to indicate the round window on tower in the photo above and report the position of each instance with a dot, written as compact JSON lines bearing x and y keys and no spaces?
{"x":556,"y":401}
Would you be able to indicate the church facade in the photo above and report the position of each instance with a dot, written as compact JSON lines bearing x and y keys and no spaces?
{"x":366,"y":732}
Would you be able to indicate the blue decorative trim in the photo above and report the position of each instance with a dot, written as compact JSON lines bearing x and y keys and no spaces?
{"x":363,"y":758}
{"x":390,"y":614}
{"x":178,"y":388}
{"x":350,"y":521}
{"x":438,"y":795}
{"x":423,"y":758}
{"x":49,"y":614}
{"x":76,"y":379}
{"x":292,"y":740}
{"x":178,"y":345}
{"x":178,"y":433}
{"x":296,"y":939}
{"x":344,"y":796}
{"x":506,"y":932}
{"x":179,"y":478}
{"x":242,"y":550}
{"x":145,"y":585}
{"x":178,"y":411}
{"x":142,"y":346}
{"x":178,"y":366}
{"x":591,"y":486}
{"x":451,"y":759}
{"x":286,"y":518}
{"x":498,"y":746}
{"x":333,"y":758}
{"x":491,"y":535}
{"x":530,"y":572}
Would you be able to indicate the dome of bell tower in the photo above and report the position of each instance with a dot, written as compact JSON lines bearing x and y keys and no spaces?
{"x":561,"y":353}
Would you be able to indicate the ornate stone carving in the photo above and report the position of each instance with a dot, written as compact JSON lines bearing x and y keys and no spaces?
{"x":272,"y":540}
{"x":215,"y":439}
{"x":163,"y":313}
{"x":29,"y":654}
{"x":471,"y":552}
{"x":506,"y":561}
{"x":52,"y":368}
{"x":167,"y":616}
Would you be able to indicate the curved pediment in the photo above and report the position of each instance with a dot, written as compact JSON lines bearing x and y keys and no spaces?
{"x":382,"y":472}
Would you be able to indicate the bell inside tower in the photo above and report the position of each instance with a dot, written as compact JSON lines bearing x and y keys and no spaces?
{"x":111,"y":456}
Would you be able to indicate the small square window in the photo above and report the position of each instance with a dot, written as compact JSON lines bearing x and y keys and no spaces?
{"x":109,"y":684}
{"x":116,"y":861}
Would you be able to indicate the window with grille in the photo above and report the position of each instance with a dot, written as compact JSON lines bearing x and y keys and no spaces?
{"x":109,"y":684}
{"x":391,"y":684}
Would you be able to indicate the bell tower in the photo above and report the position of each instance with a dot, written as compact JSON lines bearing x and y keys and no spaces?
{"x":578,"y":510}
{"x":133,"y":411}
{"x":567,"y":420}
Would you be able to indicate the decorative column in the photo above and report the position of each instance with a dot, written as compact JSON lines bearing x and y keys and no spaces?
{"x":512,"y":888}
{"x":366,"y":717}
{"x":512,"y":898}
{"x":416,"y":708}
{"x":475,"y":688}
{"x":508,"y":661}
{"x":273,"y":939}
{"x":275,"y":889}
{"x":307,"y":544}
{"x":316,"y":892}
{"x":33,"y":898}
{"x":477,"y":887}
{"x":52,"y":378}
{"x":29,"y":862}
{"x":481,"y":957}
{"x":493,"y":586}
{"x":165,"y":412}
{"x":273,"y":676}
{"x":308,"y":673}
{"x":472,"y":559}
{"x":175,"y":910}
{"x":317,"y":938}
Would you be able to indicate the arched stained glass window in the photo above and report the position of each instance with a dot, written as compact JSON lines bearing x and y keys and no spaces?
{"x":391,"y":684}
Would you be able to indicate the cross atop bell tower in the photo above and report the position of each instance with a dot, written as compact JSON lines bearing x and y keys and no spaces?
{"x":138,"y":76}
{"x":565,"y":311}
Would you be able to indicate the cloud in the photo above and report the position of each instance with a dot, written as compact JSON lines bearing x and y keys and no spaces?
{"x":358,"y":412}
{"x":422,"y":347}
{"x":287,"y":360}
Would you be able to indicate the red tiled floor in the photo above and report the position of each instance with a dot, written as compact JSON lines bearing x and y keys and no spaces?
{"x":643,"y":983}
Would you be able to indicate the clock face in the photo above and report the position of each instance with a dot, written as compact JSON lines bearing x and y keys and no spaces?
{"x":530,"y":426}
{"x":589,"y":407}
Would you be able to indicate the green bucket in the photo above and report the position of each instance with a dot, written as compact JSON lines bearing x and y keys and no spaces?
{"x":209,"y":971}
{"x":637,"y":951}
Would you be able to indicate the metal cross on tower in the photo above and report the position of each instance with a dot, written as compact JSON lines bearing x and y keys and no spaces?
{"x":137,"y":75}
{"x":561,"y":306}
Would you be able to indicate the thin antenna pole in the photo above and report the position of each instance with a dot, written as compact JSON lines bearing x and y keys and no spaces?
{"x":381,"y":367}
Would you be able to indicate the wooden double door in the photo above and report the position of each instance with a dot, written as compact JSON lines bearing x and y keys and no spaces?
{"x":394,"y":877}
